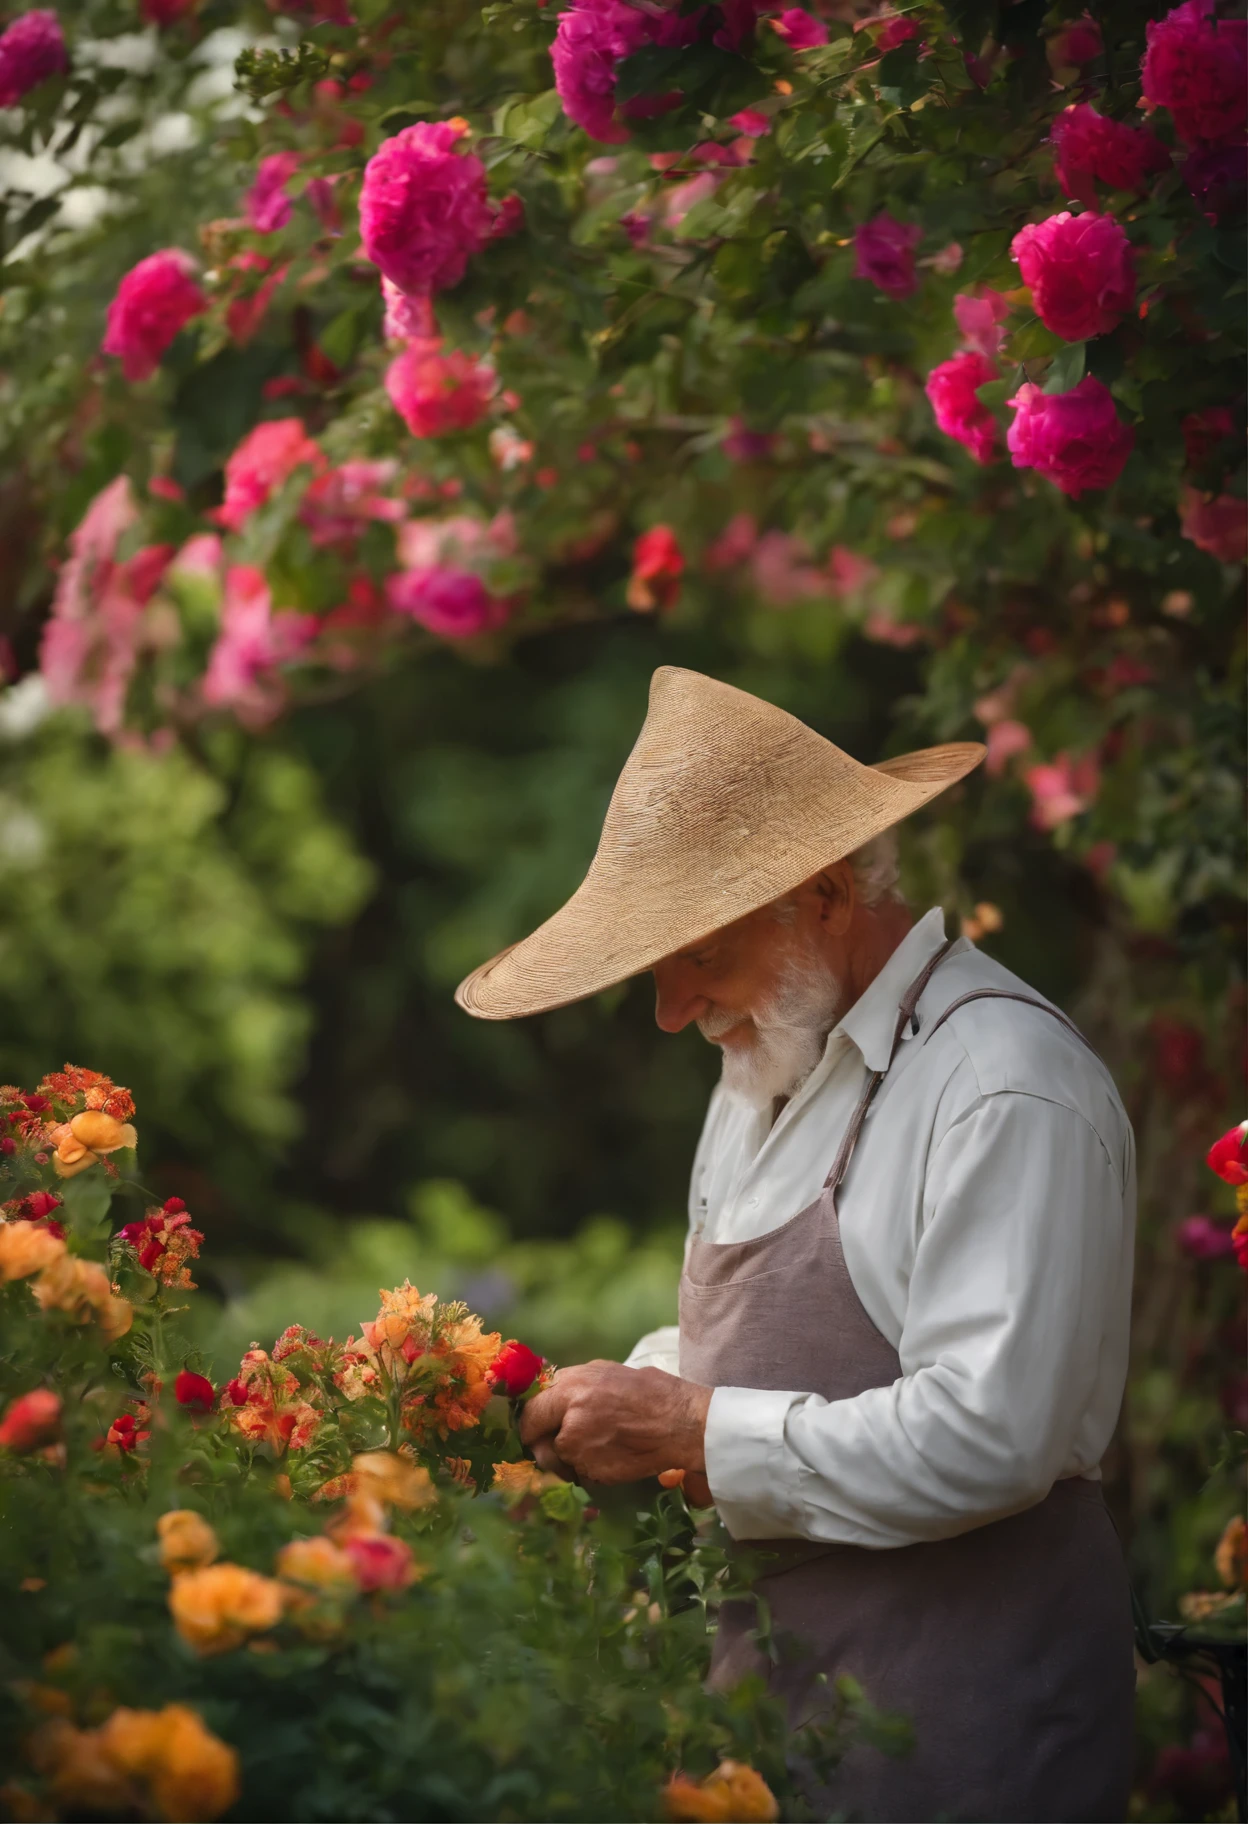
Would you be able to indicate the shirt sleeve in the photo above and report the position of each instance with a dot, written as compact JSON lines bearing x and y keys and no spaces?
{"x":1016,"y":1294}
{"x":657,"y":1349}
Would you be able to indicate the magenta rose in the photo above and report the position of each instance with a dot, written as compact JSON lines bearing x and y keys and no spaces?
{"x":1217,"y":524}
{"x":156,"y":299}
{"x":448,"y":601}
{"x":1075,"y":439}
{"x":268,"y":206}
{"x":31,"y":50}
{"x":1197,"y":66}
{"x":1089,"y":149}
{"x":799,"y":29}
{"x":979,"y":315}
{"x":951,"y":387}
{"x":884,"y":254}
{"x":424,"y":211}
{"x":435,"y":393}
{"x":592,"y":38}
{"x":1080,"y":271}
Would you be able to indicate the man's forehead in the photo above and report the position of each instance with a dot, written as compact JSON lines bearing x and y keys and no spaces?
{"x":763,"y":915}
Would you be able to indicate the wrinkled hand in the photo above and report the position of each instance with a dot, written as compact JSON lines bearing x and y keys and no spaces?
{"x":608,"y":1423}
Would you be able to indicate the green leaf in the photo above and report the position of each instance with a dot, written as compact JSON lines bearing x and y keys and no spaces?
{"x":529,"y":122}
{"x":86,"y":1201}
{"x":1067,"y":369}
{"x":40,"y":211}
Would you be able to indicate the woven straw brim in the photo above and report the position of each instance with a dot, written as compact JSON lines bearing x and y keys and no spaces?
{"x":725,"y":804}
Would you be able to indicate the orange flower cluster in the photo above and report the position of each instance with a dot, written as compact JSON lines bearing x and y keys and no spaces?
{"x":733,"y":1794}
{"x":435,"y":1354}
{"x":266,"y":1403}
{"x":62,"y":1282}
{"x":164,"y":1242}
{"x":77,"y":1116}
{"x":216,"y":1607}
{"x":162,"y":1763}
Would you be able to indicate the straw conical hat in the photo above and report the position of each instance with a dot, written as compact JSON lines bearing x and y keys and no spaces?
{"x":725,"y":803}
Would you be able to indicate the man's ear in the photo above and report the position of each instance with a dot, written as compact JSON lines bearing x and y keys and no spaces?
{"x":837,"y":897}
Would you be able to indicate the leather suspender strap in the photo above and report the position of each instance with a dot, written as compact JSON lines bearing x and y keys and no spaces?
{"x":906,"y":1013}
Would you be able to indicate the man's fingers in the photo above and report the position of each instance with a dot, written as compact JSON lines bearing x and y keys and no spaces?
{"x":543,"y":1414}
{"x":547,"y":1457}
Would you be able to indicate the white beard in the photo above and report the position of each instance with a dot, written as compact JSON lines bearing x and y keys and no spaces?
{"x":791,"y":1032}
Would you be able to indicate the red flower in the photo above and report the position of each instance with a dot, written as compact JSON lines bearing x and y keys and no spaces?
{"x":658,"y":564}
{"x":952,"y":388}
{"x":236,"y":1392}
{"x":40,"y":1204}
{"x":515,"y":1368}
{"x":1197,"y":66}
{"x":32,"y":1420}
{"x":124,"y":1432}
{"x":379,"y":1561}
{"x":1080,"y":271}
{"x":1228,"y":1157}
{"x":1090,"y":148}
{"x":1239,"y":1241}
{"x":884,"y":254}
{"x":194,"y":1390}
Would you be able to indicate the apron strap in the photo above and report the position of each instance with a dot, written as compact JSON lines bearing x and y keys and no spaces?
{"x":906,"y":1015}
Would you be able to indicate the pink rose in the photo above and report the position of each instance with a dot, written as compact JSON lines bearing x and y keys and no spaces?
{"x":979,"y":315}
{"x":162,"y":13}
{"x":951,"y":387}
{"x":1075,"y":44}
{"x":734,"y":545}
{"x":339,"y":504}
{"x":265,"y":458}
{"x":31,"y":50}
{"x":253,"y":641}
{"x":799,"y":30}
{"x":1061,"y":789}
{"x":451,"y":602}
{"x":32,"y":1420}
{"x":751,"y":122}
{"x":424,"y":211}
{"x":155,"y":300}
{"x":592,"y":38}
{"x":1197,"y":66}
{"x":435,"y":393}
{"x":1080,"y":271}
{"x":1075,"y":439}
{"x":1216,"y":524}
{"x":884,"y":254}
{"x":407,"y":317}
{"x":1089,"y":149}
{"x":1204,"y":432}
{"x":1006,"y":740}
{"x":783,"y":572}
{"x":268,"y":206}
{"x":379,"y":1561}
{"x":895,"y":32}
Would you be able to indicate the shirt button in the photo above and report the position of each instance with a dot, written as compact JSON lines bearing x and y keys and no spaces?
{"x":751,"y":1203}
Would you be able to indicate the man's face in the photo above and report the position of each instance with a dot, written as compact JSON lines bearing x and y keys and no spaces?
{"x":763,"y":990}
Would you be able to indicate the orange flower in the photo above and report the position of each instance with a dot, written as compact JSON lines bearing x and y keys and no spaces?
{"x":266,"y":1404}
{"x":515,"y":1482}
{"x":733,"y":1794}
{"x":186,"y":1540}
{"x":81,"y":1776}
{"x":215,"y":1608}
{"x":82,"y":1289}
{"x":84,"y":1138}
{"x":26,"y":1248}
{"x":393,"y":1479}
{"x":1231,"y":1557}
{"x":188,"y":1773}
{"x":317,"y":1564}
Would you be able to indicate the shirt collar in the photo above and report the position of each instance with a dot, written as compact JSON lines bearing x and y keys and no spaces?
{"x":872,"y":1020}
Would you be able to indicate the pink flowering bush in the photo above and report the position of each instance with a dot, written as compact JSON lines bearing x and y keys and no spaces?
{"x":1196,"y":65}
{"x":155,"y":300}
{"x":435,"y":393}
{"x":1080,"y":271}
{"x":884,"y":254}
{"x":268,"y":206}
{"x":32,"y":49}
{"x":450,"y":602}
{"x":951,"y":387}
{"x":340,"y":503}
{"x":265,"y":458}
{"x":1217,"y":524}
{"x":1089,"y":149}
{"x":242,"y":673}
{"x":800,"y":30}
{"x":424,"y":211}
{"x":591,"y":39}
{"x":1075,"y":440}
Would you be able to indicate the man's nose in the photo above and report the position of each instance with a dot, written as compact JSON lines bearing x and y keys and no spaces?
{"x":677,"y":1000}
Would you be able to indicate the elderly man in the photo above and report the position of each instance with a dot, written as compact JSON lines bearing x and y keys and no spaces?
{"x":904,"y":1305}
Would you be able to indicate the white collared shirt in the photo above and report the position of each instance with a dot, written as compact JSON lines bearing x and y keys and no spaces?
{"x":988,"y":1226}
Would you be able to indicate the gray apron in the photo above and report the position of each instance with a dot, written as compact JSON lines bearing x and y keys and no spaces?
{"x":1009,"y":1647}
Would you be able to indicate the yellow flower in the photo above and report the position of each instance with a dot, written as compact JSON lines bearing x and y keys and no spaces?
{"x":515,"y":1482}
{"x":82,"y":1288}
{"x":733,"y":1794}
{"x":318,"y":1564}
{"x":1231,"y":1557}
{"x":393,"y":1479}
{"x":187,"y":1542}
{"x":215,"y":1608}
{"x":86,"y":1138}
{"x":26,"y":1248}
{"x":190,"y":1774}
